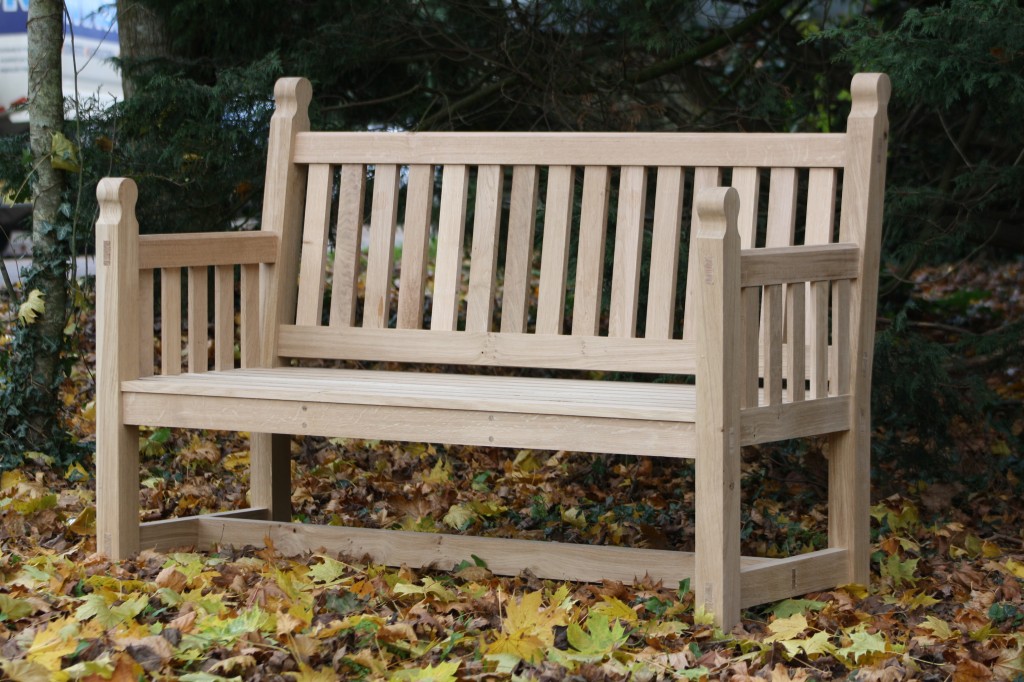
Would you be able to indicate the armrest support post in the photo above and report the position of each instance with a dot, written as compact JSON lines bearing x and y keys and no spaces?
{"x":719,"y":363}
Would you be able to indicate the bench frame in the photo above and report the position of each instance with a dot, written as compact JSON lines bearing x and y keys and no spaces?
{"x":723,"y":349}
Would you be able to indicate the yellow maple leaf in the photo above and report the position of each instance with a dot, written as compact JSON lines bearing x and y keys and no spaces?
{"x":528,"y":628}
{"x":50,"y":645}
{"x":34,"y":305}
{"x":614,"y":608}
{"x":1015,"y":567}
{"x":787,"y":628}
{"x":938,"y":627}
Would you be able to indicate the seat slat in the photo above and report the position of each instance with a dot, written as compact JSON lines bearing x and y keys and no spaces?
{"x":629,"y":241}
{"x":380,"y":261}
{"x":668,"y":216}
{"x":586,"y":310}
{"x":484,"y":254}
{"x":450,"y":235}
{"x":522,"y":221}
{"x":415,"y":246}
{"x":319,"y":193}
{"x":554,"y":252}
{"x":348,"y":244}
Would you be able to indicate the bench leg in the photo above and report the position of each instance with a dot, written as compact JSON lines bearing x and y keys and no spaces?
{"x":849,"y":499}
{"x":117,"y":488}
{"x":270,"y":477}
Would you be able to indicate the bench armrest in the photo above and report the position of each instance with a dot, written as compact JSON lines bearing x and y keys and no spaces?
{"x":206,"y":248}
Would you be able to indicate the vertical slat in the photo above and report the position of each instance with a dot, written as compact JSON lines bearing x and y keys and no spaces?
{"x":781,"y":229}
{"x":146,"y":328}
{"x":821,"y":209}
{"x":750,"y":300}
{"x":419,"y":202}
{"x":249,"y":316}
{"x":224,"y":317}
{"x":703,"y":178}
{"x":319,"y":192}
{"x":522,"y":221}
{"x":772,"y":343}
{"x":555,"y":250}
{"x":450,"y":234}
{"x":586,"y":310}
{"x":668,"y":216}
{"x":795,"y":381}
{"x":380,"y":263}
{"x":629,"y":241}
{"x":849,"y":487}
{"x":198,"y":319}
{"x":348,"y":240}
{"x":117,"y":360}
{"x":483,"y":259}
{"x":840,"y":372}
{"x":719,"y":356}
{"x":747,"y":182}
{"x":170,"y":321}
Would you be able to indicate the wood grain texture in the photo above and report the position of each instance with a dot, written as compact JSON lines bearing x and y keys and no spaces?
{"x":450,"y":235}
{"x":380,"y":262}
{"x":147,"y":335}
{"x":796,"y":348}
{"x":206,"y":248}
{"x":419,"y":204}
{"x":117,"y":360}
{"x":799,"y":264}
{"x":782,"y":578}
{"x":522,"y":221}
{"x":703,"y":178}
{"x":249,"y":316}
{"x":819,"y":229}
{"x":319,"y":194}
{"x":771,"y":342}
{"x":198,"y":319}
{"x":747,"y":182}
{"x":588,"y":292}
{"x":348,"y":244}
{"x":629,"y":242}
{"x":170,"y":321}
{"x":554,"y":254}
{"x":794,"y":420}
{"x":664,"y":261}
{"x":223,"y":317}
{"x":750,"y":302}
{"x":484,"y":252}
{"x":719,"y":361}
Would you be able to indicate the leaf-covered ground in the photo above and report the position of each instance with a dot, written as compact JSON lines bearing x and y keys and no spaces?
{"x":944,"y":602}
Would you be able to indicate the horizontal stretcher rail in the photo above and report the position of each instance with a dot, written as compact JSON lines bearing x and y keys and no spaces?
{"x":788,"y":264}
{"x":762,"y":579}
{"x":806,"y":150}
{"x":203,"y":249}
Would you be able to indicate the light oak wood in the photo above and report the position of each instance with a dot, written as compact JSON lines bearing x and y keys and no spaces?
{"x":802,"y":150}
{"x":522,"y":221}
{"x":660,"y":356}
{"x":319,"y":193}
{"x":170,"y":321}
{"x":484,"y":255}
{"x":588,"y":292}
{"x":860,"y":222}
{"x":419,"y":204}
{"x":629,"y":241}
{"x":708,"y":420}
{"x":223,"y":317}
{"x":450,"y":236}
{"x":198,"y":319}
{"x":554,"y":253}
{"x":117,"y":360}
{"x":348,"y":245}
{"x":719,"y":358}
{"x":195,"y":249}
{"x":380,"y":262}
{"x":147,"y":336}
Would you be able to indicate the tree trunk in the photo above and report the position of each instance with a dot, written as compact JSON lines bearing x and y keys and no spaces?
{"x":46,"y":117}
{"x":142,"y":32}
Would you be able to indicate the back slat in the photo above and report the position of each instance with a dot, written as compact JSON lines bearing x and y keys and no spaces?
{"x":668,"y":216}
{"x":586,"y":310}
{"x":319,"y":192}
{"x":415,"y":245}
{"x":629,"y":241}
{"x":747,"y":182}
{"x":484,"y":258}
{"x":380,"y":260}
{"x":703,"y":178}
{"x":772,"y":342}
{"x":249,"y":300}
{"x":146,"y":334}
{"x":450,"y":234}
{"x":522,"y":220}
{"x":198,"y":319}
{"x":223,"y":317}
{"x":819,"y":228}
{"x":555,"y":250}
{"x":170,"y":321}
{"x":796,"y":375}
{"x":348,"y":242}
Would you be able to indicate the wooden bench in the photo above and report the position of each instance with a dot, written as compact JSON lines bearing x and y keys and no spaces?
{"x":777,"y":327}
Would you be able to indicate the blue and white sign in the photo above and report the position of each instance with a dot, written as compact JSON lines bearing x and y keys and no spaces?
{"x":90,"y":41}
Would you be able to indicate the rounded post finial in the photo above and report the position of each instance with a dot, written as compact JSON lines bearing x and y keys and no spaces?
{"x":115,"y":196}
{"x":292,"y":96}
{"x":717,"y":208}
{"x":870,"y":93}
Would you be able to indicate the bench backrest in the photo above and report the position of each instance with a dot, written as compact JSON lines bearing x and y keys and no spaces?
{"x":582,"y":194}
